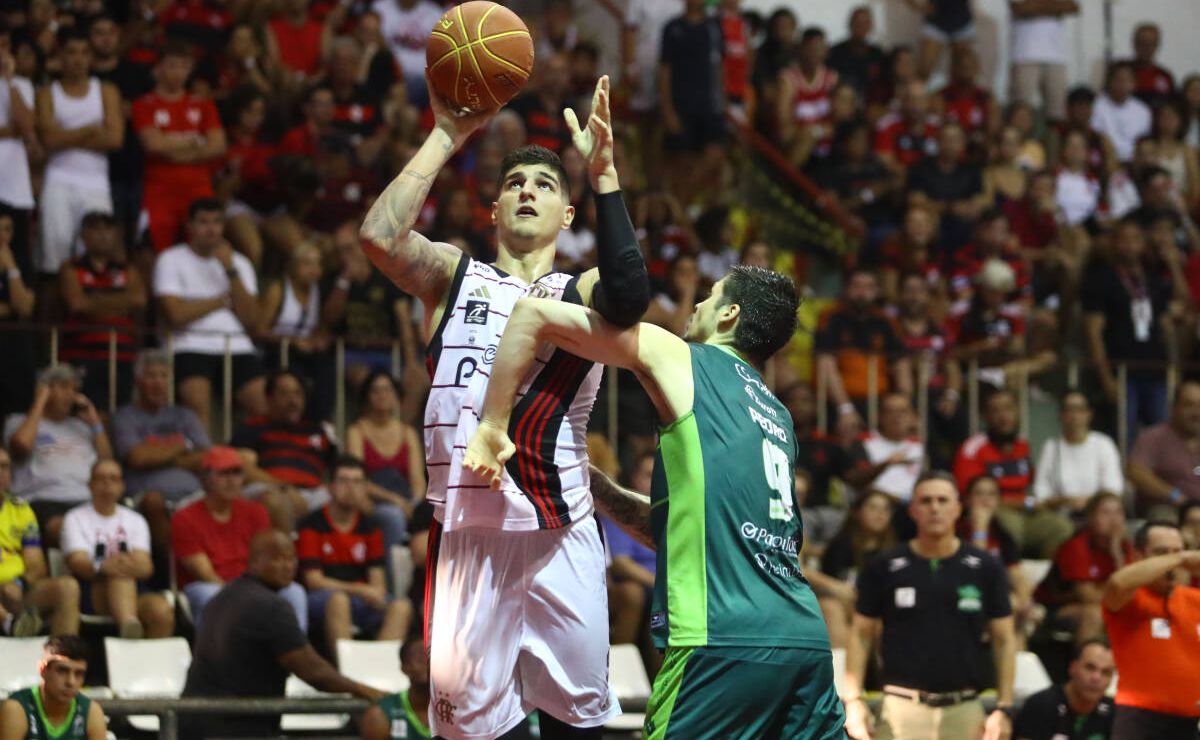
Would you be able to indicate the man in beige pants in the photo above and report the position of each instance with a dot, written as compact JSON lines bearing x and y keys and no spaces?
{"x":932,"y":599}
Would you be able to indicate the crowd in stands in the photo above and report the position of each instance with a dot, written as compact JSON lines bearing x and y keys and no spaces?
{"x":182,"y":187}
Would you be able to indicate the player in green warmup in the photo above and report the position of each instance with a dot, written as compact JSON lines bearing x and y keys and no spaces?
{"x":747,"y":652}
{"x":403,"y":716}
{"x":54,"y":709}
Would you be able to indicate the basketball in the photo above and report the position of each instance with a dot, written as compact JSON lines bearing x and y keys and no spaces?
{"x":479,"y":56}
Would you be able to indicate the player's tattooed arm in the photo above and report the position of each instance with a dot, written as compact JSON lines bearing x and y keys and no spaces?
{"x":417,"y":265}
{"x":629,"y":509}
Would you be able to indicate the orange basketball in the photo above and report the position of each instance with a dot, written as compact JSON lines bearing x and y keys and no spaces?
{"x":479,"y":55}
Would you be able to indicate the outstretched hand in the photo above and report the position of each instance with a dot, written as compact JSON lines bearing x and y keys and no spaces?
{"x":487,"y":452}
{"x":595,"y":140}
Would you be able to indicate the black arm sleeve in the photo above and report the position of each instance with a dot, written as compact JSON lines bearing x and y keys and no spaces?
{"x":623,"y":292}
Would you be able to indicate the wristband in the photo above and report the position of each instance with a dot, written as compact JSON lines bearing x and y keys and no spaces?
{"x":14,"y":274}
{"x":1176,"y":495}
{"x":845,"y":409}
{"x":342,"y":284}
{"x":97,"y":430}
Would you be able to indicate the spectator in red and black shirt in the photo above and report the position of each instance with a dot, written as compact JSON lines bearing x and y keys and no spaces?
{"x":927,"y":344}
{"x":965,"y":102}
{"x":304,"y":139}
{"x":541,"y":109}
{"x":903,"y":138}
{"x":851,"y":337}
{"x":992,"y":240}
{"x":357,"y":110}
{"x":297,"y":40}
{"x":105,"y":299}
{"x":293,"y":452}
{"x":858,"y":62}
{"x":1000,"y":452}
{"x":1154,"y":84}
{"x":1084,"y":563}
{"x":341,"y":559}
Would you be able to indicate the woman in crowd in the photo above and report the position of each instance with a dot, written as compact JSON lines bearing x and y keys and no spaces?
{"x":1005,"y":179}
{"x":866,"y":531}
{"x":291,"y":310}
{"x":978,"y":526}
{"x":392,"y":455}
{"x":1174,"y":155}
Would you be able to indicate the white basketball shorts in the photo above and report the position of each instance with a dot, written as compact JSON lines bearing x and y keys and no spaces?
{"x":519,"y":621}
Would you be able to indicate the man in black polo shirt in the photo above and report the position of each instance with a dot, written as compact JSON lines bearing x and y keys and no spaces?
{"x":251,"y":643}
{"x":1077,"y":710}
{"x":933,"y":599}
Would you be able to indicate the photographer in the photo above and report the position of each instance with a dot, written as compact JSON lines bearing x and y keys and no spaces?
{"x":54,"y":447}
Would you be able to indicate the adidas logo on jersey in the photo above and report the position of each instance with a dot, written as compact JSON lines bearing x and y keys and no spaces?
{"x":480,"y":292}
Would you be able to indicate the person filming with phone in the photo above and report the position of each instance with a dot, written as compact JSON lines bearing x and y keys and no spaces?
{"x":54,"y":447}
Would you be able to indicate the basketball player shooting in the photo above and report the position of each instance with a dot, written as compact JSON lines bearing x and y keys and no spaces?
{"x":517,"y":614}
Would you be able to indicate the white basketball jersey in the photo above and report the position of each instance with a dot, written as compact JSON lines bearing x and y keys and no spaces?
{"x":546,"y":485}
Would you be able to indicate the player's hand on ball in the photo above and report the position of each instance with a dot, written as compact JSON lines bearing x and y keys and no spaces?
{"x":595,"y":140}
{"x":458,"y":125}
{"x":487,"y":452}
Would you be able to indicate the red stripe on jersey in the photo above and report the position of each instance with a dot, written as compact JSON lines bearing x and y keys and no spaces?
{"x":537,"y":417}
{"x":543,"y":400}
{"x":432,"y":548}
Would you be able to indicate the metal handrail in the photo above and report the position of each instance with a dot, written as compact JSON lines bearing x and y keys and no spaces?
{"x":168,"y":710}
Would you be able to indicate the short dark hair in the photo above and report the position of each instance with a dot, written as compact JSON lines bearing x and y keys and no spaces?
{"x":204,"y":205}
{"x":937,"y":475}
{"x":1081,"y":94}
{"x":68,"y":646}
{"x":346,"y":461}
{"x":533,"y":154}
{"x":177,"y":47}
{"x":1097,"y":500}
{"x":414,"y":642}
{"x":1073,"y":391}
{"x":278,"y":375}
{"x":97,"y":218}
{"x":1142,"y":537}
{"x":1116,"y":67}
{"x":1077,"y":653}
{"x":768,"y":302}
{"x":73,"y":33}
{"x":812,"y":32}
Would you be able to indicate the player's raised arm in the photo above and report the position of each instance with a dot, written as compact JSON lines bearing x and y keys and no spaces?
{"x":660,"y":359}
{"x":415,"y":264}
{"x":619,"y":287}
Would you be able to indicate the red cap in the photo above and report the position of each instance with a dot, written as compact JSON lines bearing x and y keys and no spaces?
{"x":222,"y":458}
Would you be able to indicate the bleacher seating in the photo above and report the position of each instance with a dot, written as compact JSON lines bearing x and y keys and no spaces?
{"x":376,"y":664}
{"x":627,"y":676}
{"x":140,"y":669}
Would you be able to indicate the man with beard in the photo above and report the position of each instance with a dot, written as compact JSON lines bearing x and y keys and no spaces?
{"x":852,"y":336}
{"x":1000,"y":451}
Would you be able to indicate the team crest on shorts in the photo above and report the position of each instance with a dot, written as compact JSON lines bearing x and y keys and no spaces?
{"x":444,"y":709}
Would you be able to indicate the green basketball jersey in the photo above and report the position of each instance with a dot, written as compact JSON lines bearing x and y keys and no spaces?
{"x":403,"y":722}
{"x":74,"y":727}
{"x":724,"y":519}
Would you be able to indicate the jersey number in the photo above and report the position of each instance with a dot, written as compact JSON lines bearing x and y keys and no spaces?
{"x":779,"y":478}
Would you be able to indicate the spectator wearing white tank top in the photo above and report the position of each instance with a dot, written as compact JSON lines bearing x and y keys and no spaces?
{"x":80,"y":121}
{"x":16,"y":128}
{"x":291,"y":309}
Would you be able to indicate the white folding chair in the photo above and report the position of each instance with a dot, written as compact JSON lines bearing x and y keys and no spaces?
{"x":627,"y":677}
{"x":374,"y":663}
{"x":19,"y":658}
{"x":401,"y":560}
{"x":309,"y":722}
{"x":140,"y":669}
{"x":1031,"y":675}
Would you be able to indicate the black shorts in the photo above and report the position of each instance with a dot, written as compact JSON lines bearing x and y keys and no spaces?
{"x":44,"y":511}
{"x":698,"y":131}
{"x":193,"y":364}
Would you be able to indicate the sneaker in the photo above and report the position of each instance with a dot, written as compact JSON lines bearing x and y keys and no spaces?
{"x":132,"y":630}
{"x":28,"y":624}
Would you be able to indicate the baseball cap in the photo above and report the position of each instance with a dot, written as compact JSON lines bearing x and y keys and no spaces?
{"x":221,"y":458}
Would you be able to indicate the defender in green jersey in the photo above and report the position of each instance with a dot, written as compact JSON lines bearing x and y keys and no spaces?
{"x":747,"y":652}
{"x":403,"y":716}
{"x":54,"y":709}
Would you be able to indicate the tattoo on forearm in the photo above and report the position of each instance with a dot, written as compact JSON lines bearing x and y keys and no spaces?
{"x":627,"y":508}
{"x":428,"y":179}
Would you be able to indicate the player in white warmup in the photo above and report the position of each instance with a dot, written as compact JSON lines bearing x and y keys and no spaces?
{"x":516,"y":605}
